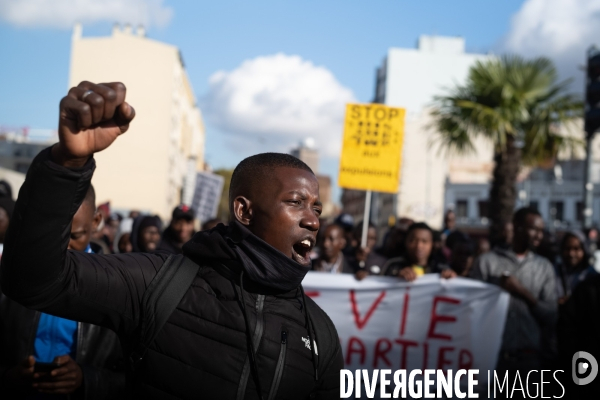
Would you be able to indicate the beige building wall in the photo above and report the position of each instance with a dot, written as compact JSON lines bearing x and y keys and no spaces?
{"x":146,"y":168}
{"x":426,"y":167}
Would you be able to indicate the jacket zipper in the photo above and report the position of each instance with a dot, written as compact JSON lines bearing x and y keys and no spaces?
{"x":258,"y":332}
{"x":279,"y":367}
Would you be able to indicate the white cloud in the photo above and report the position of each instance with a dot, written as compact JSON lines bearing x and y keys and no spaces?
{"x":64,"y":13}
{"x":270,"y":103}
{"x":559,"y":29}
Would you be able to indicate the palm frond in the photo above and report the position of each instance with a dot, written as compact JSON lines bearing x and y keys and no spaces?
{"x":509,"y":97}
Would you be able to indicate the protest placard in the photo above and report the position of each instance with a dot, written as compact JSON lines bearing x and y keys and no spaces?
{"x":372,"y":148}
{"x":207,"y":195}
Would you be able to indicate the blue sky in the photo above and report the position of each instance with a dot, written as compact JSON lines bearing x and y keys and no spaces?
{"x":346,"y":38}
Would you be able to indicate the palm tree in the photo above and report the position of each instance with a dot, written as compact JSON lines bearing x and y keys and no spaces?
{"x":519,"y":106}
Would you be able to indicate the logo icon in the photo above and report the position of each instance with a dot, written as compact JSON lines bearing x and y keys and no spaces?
{"x":306,"y":342}
{"x":580,"y":367}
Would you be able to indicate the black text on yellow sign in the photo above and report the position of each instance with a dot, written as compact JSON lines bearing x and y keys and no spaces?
{"x":372,"y":149}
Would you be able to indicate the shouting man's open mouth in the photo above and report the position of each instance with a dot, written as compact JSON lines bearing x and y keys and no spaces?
{"x":301,"y":250}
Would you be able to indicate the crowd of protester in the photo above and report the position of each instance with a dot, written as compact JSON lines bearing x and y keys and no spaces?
{"x":551,"y":279}
{"x":553,"y":285}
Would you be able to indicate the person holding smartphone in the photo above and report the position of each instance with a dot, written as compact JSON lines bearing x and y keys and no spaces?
{"x":44,"y":356}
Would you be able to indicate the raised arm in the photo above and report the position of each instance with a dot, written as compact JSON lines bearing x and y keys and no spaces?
{"x":37,"y":269}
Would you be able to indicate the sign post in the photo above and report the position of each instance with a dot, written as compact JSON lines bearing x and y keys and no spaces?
{"x":365,"y":227}
{"x":371,"y":152}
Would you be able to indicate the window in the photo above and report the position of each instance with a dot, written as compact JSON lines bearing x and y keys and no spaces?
{"x":483,"y":208}
{"x":462,"y":209}
{"x":556,"y":210}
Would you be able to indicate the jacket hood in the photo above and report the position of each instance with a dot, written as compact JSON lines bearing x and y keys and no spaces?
{"x":141,"y":222}
{"x":235,"y":247}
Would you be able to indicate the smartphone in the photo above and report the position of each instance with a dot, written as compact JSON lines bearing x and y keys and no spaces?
{"x":45,"y":367}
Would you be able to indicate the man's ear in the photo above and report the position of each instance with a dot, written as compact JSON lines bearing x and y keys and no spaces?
{"x":96,"y":221}
{"x":242,"y":210}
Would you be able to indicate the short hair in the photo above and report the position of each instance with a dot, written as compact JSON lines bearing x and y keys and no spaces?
{"x":90,"y":197}
{"x":254,"y":168}
{"x":419,"y":225}
{"x":520,"y":216}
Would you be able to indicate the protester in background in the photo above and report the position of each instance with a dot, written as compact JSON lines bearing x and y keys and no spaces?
{"x":364,"y":259}
{"x":394,"y":241}
{"x":483,"y":246}
{"x":449,"y":223}
{"x":99,"y":237}
{"x":211,"y":223}
{"x":579,"y":330}
{"x":346,"y":221}
{"x":529,"y":279}
{"x":449,"y":228}
{"x":179,"y":231}
{"x":592,"y":239}
{"x":575,"y":265}
{"x":145,"y":234}
{"x":88,"y":355}
{"x":110,"y":229}
{"x":133,"y":214}
{"x":439,"y":253}
{"x":85,"y":223}
{"x":505,"y":239}
{"x":331,"y":259}
{"x":122,"y":242}
{"x":417,"y":260}
{"x":463,"y":254}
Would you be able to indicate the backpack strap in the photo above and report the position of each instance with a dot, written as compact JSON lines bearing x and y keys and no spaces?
{"x":162,"y":296}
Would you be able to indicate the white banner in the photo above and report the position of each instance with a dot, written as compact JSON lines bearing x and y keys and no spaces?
{"x":431,"y":323}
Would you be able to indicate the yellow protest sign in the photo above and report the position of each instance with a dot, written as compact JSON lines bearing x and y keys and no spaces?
{"x":372,"y":148}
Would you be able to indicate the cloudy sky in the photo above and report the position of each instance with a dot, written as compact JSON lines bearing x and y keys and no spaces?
{"x":269,"y":73}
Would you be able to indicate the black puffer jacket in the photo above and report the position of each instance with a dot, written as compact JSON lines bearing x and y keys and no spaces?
{"x":202,"y":350}
{"x":98,"y":353}
{"x":579,"y":330}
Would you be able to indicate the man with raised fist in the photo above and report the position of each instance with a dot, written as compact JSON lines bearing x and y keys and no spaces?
{"x":225,"y":320}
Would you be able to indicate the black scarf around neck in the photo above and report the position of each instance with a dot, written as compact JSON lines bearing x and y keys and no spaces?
{"x":262,"y":263}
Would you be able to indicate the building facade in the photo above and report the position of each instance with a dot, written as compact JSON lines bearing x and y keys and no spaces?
{"x":557,"y":193}
{"x":150,"y":168}
{"x":411,"y":79}
{"x":18,"y":147}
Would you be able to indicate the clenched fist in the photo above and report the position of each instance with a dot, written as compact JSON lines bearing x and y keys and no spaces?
{"x":91,"y":117}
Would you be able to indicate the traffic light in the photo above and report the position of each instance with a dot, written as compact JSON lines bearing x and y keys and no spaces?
{"x":592,"y":92}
